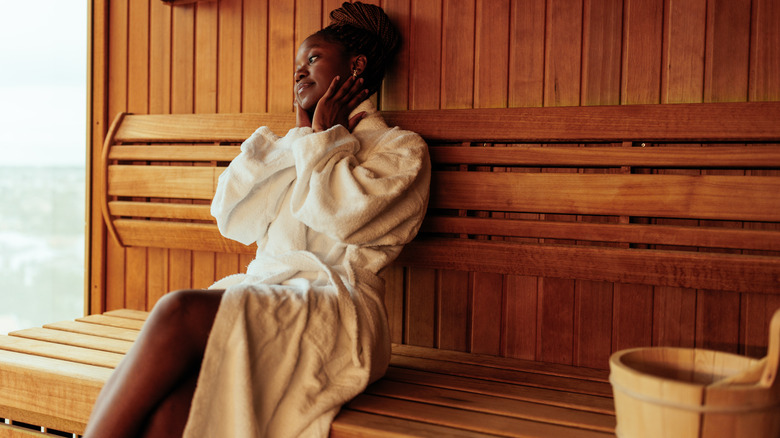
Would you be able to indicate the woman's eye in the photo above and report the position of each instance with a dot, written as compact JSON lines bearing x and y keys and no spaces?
{"x":312,"y":58}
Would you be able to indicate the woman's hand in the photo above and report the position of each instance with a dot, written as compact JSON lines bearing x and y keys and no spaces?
{"x":341,"y":98}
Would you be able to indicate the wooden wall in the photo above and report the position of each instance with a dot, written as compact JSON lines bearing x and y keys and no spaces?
{"x":237,"y":56}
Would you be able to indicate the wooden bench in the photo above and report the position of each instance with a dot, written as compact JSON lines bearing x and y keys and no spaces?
{"x":662,"y":195}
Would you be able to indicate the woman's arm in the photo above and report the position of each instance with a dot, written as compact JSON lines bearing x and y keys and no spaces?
{"x":377,"y":199}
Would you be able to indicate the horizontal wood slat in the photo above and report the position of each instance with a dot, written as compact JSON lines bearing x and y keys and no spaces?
{"x":161,"y":210}
{"x":738,"y":121}
{"x":732,"y":272}
{"x":163,"y":181}
{"x":228,"y":128}
{"x":723,"y":197}
{"x":670,"y":156}
{"x":174,"y":153}
{"x":354,"y":424}
{"x":75,"y":339}
{"x":713,"y":237}
{"x":192,"y":236}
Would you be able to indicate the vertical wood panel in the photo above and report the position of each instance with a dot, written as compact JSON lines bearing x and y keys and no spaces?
{"x":420,"y":307}
{"x":727,"y":51}
{"x":117,"y":102}
{"x":255,"y":56}
{"x":683,"y":74}
{"x":425,"y":56}
{"x":492,"y":49}
{"x":457,"y":79}
{"x":563,"y":52}
{"x":642,"y":50}
{"x":632,"y":316}
{"x":394,"y":301}
{"x":453,"y":311}
{"x":281,"y":54}
{"x":486,"y":301}
{"x":555,"y":331}
{"x":601,"y":49}
{"x":395,"y":87}
{"x":526,"y":53}
{"x":765,"y":51}
{"x":674,"y":316}
{"x":593,"y":323}
{"x":520,"y":317}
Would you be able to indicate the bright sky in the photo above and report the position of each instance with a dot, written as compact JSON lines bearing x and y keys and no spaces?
{"x":43,"y":78}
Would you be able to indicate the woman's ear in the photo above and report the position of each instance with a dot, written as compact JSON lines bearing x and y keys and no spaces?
{"x":358,"y":64}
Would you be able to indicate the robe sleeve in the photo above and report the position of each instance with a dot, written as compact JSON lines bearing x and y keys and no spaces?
{"x":250,"y":191}
{"x":377,"y":199}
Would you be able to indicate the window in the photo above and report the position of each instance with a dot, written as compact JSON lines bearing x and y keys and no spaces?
{"x":43,"y":107}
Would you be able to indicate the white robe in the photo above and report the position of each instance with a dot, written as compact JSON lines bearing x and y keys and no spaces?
{"x":305,"y":329}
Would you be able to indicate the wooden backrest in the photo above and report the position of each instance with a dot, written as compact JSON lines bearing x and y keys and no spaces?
{"x":679,"y":195}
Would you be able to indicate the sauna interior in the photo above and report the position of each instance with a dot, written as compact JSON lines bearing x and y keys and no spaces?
{"x":236,"y":56}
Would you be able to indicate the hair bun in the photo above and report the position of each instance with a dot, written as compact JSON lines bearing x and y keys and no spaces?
{"x":369,"y":18}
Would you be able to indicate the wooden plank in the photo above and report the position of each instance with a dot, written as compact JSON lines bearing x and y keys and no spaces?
{"x":113,"y":321}
{"x":491,"y":60}
{"x":68,"y":353}
{"x":667,"y":268}
{"x":457,"y":53}
{"x":129,"y":314}
{"x":75,"y":339}
{"x":185,"y":182}
{"x":555,"y":322}
{"x":475,"y":421}
{"x":723,"y":197}
{"x":601,"y":52}
{"x":764,"y":43}
{"x":453,"y":310}
{"x":631,"y":233}
{"x":355,"y":424}
{"x":682,"y":80}
{"x":543,"y":396}
{"x":49,"y":392}
{"x":491,"y":404}
{"x":420,"y":307}
{"x":281,"y":54}
{"x":727,"y":57}
{"x":563,"y":53}
{"x":9,"y":431}
{"x":526,"y":53}
{"x":486,"y":301}
{"x":164,"y":152}
{"x":229,"y":56}
{"x":254,"y":78}
{"x":520,"y":316}
{"x":764,"y":156}
{"x":425,"y":45}
{"x":642,"y":51}
{"x":395,"y":88}
{"x":161,"y":210}
{"x":205,"y":237}
{"x":94,"y":329}
{"x":740,"y":121}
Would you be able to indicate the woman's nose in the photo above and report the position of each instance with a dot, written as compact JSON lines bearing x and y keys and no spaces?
{"x":300,"y":73}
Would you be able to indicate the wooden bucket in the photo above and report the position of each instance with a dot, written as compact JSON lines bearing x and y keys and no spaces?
{"x":688,"y":393}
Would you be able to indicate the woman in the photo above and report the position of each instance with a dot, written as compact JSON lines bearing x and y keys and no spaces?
{"x":278,"y":350}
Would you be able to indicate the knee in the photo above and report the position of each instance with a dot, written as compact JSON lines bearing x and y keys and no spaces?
{"x":185,"y":316}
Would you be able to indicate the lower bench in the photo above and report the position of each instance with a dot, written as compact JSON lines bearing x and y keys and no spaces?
{"x":50,"y":377}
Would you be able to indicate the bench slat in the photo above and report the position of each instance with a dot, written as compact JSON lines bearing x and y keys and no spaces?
{"x":737,"y":238}
{"x":354,"y":424}
{"x":75,"y":339}
{"x":191,"y":236}
{"x":518,"y":377}
{"x":161,"y":210}
{"x":94,"y":329}
{"x":185,"y":182}
{"x":187,"y":152}
{"x":113,"y":321}
{"x":493,"y":404}
{"x":48,"y":392}
{"x":552,"y":397}
{"x":468,"y":420}
{"x":505,"y":363}
{"x":695,"y":270}
{"x":60,"y":351}
{"x":673,"y":156}
{"x":724,"y":197}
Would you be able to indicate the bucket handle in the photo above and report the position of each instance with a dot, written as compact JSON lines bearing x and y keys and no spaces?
{"x":769,"y":377}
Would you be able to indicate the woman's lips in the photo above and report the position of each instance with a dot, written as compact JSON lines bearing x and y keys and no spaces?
{"x":302,"y":86}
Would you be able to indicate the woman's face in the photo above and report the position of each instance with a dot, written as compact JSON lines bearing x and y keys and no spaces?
{"x":316,"y":64}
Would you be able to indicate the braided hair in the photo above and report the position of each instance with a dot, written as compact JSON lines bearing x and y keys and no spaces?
{"x":364,"y":29}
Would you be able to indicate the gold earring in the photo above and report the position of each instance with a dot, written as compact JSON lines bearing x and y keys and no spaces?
{"x":354,"y":73}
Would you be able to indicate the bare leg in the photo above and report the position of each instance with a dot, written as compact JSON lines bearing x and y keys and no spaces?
{"x":164,"y":359}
